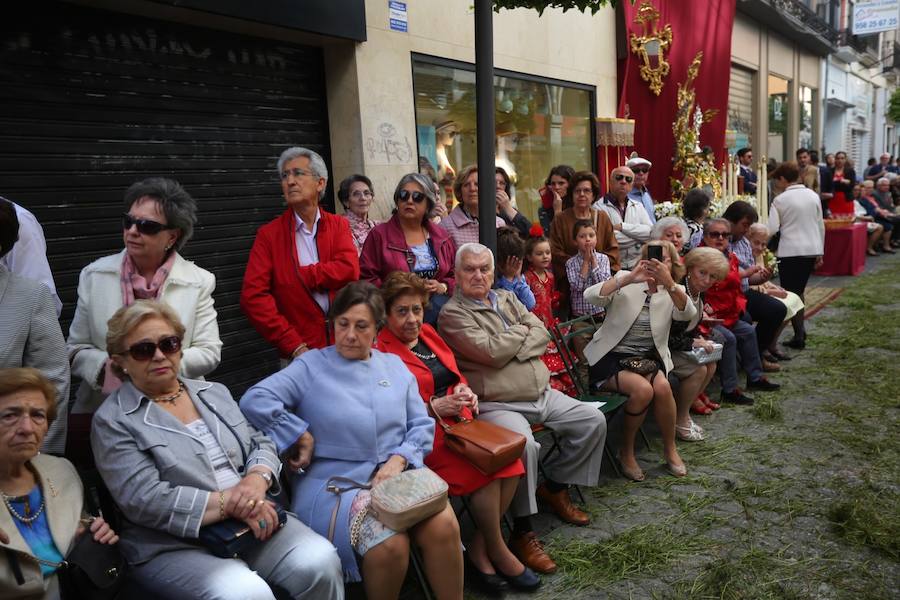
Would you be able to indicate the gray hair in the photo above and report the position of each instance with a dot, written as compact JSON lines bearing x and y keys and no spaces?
{"x":665,"y":223}
{"x":471,"y":248}
{"x":884,"y":180}
{"x":173,"y":201}
{"x":427,"y":188}
{"x":717,"y":221}
{"x":316,"y":163}
{"x":757,"y":229}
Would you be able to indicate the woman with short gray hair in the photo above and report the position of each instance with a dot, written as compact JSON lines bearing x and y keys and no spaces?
{"x":671,"y":229}
{"x":410,"y":241}
{"x":159,"y":219}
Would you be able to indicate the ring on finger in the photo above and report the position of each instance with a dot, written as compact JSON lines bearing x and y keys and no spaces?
{"x":263,"y":524}
{"x":251,"y":502}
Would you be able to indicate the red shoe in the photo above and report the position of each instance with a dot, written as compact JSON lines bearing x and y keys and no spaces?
{"x":699,"y":407}
{"x":706,"y":400}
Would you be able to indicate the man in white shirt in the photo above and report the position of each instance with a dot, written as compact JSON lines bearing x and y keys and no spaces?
{"x":641,"y":169}
{"x":28,"y":258}
{"x":629,"y":218}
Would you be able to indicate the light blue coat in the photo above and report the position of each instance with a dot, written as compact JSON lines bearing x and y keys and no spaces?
{"x":360,"y":412}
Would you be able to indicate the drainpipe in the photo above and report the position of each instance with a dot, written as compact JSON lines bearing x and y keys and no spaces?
{"x":484,"y":122}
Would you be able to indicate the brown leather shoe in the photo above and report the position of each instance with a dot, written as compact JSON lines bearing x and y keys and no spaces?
{"x":530,"y":550}
{"x":562,"y":505}
{"x":770,"y":367}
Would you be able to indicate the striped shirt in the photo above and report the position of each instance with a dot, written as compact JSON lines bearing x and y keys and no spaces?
{"x":598,"y":274}
{"x":226,"y":476}
{"x":744,"y":251}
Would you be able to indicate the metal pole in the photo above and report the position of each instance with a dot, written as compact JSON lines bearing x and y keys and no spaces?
{"x":484,"y":119}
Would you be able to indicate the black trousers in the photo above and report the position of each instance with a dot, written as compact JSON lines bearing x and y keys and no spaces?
{"x":794,"y":273}
{"x":769,"y":314}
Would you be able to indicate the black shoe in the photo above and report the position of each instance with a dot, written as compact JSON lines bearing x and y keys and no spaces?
{"x":490,"y":583}
{"x":763,"y":384}
{"x":736,"y":397}
{"x":778,"y":356}
{"x":796,"y":344}
{"x":527,"y":580}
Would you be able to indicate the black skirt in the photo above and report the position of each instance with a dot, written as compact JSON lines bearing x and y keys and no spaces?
{"x":610,"y":365}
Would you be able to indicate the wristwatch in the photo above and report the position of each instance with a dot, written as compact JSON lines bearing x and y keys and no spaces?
{"x":267,"y":475}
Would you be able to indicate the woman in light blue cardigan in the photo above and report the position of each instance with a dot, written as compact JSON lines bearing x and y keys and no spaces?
{"x":350,"y":411}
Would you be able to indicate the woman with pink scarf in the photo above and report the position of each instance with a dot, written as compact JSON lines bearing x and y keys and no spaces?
{"x":159,"y":219}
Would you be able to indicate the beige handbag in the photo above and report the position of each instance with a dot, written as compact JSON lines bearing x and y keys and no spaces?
{"x":399,"y":502}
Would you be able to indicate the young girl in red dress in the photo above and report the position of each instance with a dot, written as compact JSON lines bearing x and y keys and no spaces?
{"x":539,"y":277}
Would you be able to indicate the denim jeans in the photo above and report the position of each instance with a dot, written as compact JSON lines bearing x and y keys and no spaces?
{"x":740,"y":340}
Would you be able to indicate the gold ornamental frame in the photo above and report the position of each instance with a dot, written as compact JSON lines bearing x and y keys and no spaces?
{"x":654,"y":42}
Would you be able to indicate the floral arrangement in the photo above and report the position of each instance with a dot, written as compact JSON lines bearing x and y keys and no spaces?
{"x":668,"y":209}
{"x":770,"y":262}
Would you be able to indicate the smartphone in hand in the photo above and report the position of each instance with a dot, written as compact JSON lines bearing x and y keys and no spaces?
{"x":655,"y":252}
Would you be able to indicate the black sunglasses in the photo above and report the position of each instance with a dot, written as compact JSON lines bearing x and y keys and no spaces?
{"x":620,"y":177}
{"x":145,"y":226}
{"x":641,"y":170}
{"x":144,"y":351}
{"x":403,"y":196}
{"x":721,"y":235}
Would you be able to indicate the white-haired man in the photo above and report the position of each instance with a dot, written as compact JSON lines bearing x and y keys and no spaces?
{"x":498,"y":345}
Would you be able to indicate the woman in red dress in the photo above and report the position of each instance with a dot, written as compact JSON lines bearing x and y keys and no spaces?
{"x":431,"y":361}
{"x":837,"y":186}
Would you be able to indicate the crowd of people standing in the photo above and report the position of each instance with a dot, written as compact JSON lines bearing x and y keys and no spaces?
{"x":385,"y":331}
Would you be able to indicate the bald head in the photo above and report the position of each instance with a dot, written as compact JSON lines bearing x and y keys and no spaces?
{"x":620,"y":182}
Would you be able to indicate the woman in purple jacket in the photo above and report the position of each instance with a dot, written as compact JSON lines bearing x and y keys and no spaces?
{"x":410,"y":242}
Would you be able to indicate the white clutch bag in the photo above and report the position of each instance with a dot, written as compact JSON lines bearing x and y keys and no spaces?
{"x":702,"y":357}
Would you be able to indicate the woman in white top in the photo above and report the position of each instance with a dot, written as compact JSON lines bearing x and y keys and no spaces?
{"x":796,"y":213}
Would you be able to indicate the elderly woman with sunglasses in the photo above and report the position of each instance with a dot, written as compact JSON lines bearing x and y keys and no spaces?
{"x":159,"y":220}
{"x":409,"y":241}
{"x":177,"y":454}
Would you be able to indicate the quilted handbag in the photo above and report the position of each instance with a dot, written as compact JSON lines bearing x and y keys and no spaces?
{"x":486,"y":446}
{"x":702,"y":357}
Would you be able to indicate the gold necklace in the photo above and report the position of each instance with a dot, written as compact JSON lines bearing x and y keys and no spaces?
{"x":171,"y":399}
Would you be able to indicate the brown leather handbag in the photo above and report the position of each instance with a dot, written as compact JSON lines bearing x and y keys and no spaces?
{"x":487,"y":446}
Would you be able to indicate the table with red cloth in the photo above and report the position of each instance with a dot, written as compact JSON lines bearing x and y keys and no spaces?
{"x":845,"y":250}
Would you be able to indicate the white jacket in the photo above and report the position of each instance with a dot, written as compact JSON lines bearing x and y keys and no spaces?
{"x":797,"y":213}
{"x":188,"y":290}
{"x":623,"y":307}
{"x":635,"y":229}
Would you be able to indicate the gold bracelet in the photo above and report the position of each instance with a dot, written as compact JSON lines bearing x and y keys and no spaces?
{"x":222,"y":514}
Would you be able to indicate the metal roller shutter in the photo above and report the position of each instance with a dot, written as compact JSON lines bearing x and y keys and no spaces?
{"x":92,"y":101}
{"x":740,"y":101}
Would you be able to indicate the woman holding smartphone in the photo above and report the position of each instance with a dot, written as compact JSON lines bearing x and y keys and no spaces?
{"x":630,"y":353}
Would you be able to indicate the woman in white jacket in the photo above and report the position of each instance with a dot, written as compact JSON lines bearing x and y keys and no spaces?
{"x":630,"y":354}
{"x":159,"y":220}
{"x":796,"y":213}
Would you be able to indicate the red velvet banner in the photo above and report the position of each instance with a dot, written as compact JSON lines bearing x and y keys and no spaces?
{"x":696,"y":25}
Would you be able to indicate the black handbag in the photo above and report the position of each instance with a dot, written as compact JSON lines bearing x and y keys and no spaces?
{"x":92,"y":570}
{"x":231,"y":538}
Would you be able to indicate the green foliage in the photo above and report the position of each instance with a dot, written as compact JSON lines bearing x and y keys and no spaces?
{"x":894,"y":106}
{"x":540,"y":6}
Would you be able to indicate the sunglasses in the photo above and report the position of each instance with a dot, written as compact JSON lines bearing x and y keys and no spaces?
{"x":145,"y":226}
{"x":620,"y":177}
{"x":719,"y":235}
{"x":144,"y":351}
{"x":640,"y":170}
{"x":404,"y":195}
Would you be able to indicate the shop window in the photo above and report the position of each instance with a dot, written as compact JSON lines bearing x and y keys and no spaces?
{"x":740,"y":109}
{"x":539,"y":123}
{"x":807,"y":106}
{"x":779,"y":101}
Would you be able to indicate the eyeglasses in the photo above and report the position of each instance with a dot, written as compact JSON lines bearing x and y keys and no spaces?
{"x":620,"y":177}
{"x":144,"y":351}
{"x":719,"y":235}
{"x":404,"y":195}
{"x":637,"y":170}
{"x":583,"y":192}
{"x":145,"y":226}
{"x":297,"y":173}
{"x":365,"y":194}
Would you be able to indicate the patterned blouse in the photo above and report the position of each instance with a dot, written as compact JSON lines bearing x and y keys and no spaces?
{"x":359,"y":229}
{"x":545,"y":295}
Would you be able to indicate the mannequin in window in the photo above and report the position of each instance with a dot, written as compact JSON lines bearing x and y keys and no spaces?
{"x":445,"y":134}
{"x":507,"y":142}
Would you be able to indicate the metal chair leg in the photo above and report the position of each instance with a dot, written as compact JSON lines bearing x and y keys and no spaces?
{"x":416,"y":561}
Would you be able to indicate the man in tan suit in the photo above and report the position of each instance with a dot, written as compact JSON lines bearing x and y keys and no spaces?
{"x":498,"y":345}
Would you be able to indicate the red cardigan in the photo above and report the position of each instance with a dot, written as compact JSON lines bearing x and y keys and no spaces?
{"x":276,"y":295}
{"x":459,"y":474}
{"x":386,"y":251}
{"x":725,"y":297}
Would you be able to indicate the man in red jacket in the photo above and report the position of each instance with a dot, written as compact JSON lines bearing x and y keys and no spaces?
{"x":298,"y":261}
